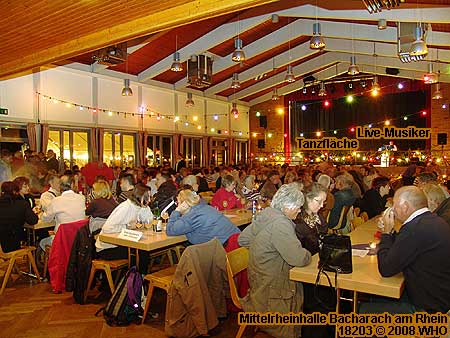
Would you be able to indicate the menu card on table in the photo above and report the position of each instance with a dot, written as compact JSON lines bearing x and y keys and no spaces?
{"x":131,"y":235}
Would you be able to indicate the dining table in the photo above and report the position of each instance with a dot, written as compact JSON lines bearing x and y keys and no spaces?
{"x":365,"y":277}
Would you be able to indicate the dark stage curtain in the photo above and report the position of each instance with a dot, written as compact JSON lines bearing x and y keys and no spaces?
{"x":365,"y":110}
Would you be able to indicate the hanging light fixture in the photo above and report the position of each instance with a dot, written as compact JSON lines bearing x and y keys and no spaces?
{"x":437,"y":95}
{"x":289,"y":75}
{"x":235,"y":81}
{"x":322,"y":91}
{"x":177,"y":66}
{"x":189,"y":101}
{"x":238,"y":54}
{"x":353,"y":68}
{"x":126,"y":91}
{"x":316,"y":41}
{"x":375,"y":86}
{"x":418,"y":47}
{"x":430,"y":77}
{"x":275,"y":96}
{"x":234,"y":111}
{"x":382,"y":24}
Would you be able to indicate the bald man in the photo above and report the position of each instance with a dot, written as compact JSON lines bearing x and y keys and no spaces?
{"x":421,"y":250}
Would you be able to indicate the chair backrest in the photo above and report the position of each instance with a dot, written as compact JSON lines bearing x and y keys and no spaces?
{"x":364,"y":216}
{"x":237,"y":261}
{"x":356,"y":222}
{"x":356,"y":211}
{"x":344,"y":212}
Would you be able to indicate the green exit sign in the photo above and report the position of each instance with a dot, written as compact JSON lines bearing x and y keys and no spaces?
{"x":3,"y":111}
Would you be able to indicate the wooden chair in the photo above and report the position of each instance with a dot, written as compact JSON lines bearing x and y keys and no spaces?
{"x":108,"y":267}
{"x":237,"y":261}
{"x":356,"y":222}
{"x":160,"y":279}
{"x":339,"y":225}
{"x":10,"y":259}
{"x":46,"y":256}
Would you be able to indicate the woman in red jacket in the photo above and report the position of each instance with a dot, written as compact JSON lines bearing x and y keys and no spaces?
{"x":225,"y":198}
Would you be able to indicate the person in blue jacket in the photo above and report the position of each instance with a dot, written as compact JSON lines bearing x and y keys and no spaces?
{"x":197,"y":220}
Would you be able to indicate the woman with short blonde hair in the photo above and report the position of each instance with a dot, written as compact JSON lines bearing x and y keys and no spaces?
{"x":189,"y":196}
{"x":102,"y":204}
{"x":101,"y":189}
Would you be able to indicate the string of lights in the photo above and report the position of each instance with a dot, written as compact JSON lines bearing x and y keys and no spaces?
{"x":148,"y":113}
{"x":350,"y":99}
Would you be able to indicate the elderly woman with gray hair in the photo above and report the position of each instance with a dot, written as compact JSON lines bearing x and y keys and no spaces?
{"x":273,"y":250}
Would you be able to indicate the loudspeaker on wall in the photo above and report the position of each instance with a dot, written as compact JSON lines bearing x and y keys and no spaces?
{"x":263,"y":121}
{"x":442,"y":138}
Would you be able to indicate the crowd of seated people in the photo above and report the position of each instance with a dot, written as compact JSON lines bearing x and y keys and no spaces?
{"x":304,"y":202}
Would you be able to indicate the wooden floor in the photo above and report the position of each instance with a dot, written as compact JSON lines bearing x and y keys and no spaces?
{"x":31,"y":310}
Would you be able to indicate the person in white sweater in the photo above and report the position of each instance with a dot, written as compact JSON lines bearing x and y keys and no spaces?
{"x":134,"y":209}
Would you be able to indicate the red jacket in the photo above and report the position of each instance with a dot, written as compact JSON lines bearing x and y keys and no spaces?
{"x":60,"y":253}
{"x":225,"y":200}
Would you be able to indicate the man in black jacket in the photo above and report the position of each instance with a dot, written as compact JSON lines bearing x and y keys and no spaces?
{"x":420,"y":250}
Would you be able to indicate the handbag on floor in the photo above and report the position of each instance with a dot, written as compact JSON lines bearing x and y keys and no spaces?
{"x":124,"y":307}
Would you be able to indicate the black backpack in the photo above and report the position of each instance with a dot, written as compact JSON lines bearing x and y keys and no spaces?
{"x":124,"y":307}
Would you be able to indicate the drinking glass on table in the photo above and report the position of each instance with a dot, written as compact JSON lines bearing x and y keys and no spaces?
{"x":165,"y":217}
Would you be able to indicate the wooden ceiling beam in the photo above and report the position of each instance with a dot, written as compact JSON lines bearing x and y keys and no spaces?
{"x":188,"y":12}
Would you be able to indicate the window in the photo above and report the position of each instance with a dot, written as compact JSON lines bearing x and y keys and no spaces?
{"x":70,"y":146}
{"x":119,"y":149}
{"x":13,"y":138}
{"x":241,"y":151}
{"x":159,"y":150}
{"x":193,"y":151}
{"x":218,"y":152}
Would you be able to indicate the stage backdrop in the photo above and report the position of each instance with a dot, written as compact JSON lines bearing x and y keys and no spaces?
{"x":364,"y":110}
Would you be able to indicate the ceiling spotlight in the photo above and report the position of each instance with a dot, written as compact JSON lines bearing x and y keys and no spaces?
{"x":235,"y":81}
{"x":313,"y":90}
{"x":316,"y":41}
{"x":189,"y":100}
{"x":322,"y":91}
{"x":353,"y":68}
{"x":363,"y":84}
{"x":437,"y":95}
{"x":303,"y":107}
{"x":289,"y":75}
{"x":400,"y":86}
{"x":275,"y":96}
{"x":234,"y":111}
{"x":382,"y":24}
{"x":216,"y":117}
{"x":275,"y":18}
{"x":176,"y":64}
{"x":418,"y":47}
{"x":126,"y":91}
{"x":430,"y":77}
{"x":238,"y":54}
{"x":305,"y":91}
{"x":376,"y":6}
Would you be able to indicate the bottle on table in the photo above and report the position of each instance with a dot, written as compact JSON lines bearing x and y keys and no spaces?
{"x":157,"y":215}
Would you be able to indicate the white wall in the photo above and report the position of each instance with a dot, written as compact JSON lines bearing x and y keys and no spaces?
{"x":17,"y":95}
{"x":104,"y":92}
